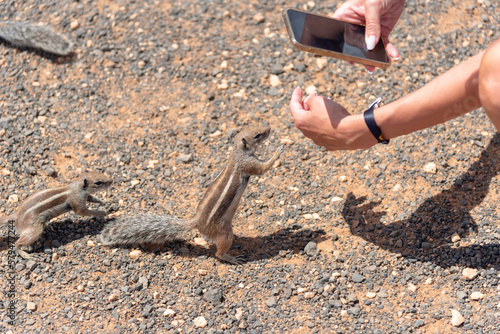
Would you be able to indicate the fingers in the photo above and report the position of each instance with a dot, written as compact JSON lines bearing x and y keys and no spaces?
{"x":372,"y":16}
{"x":296,"y":104}
{"x":306,"y":104}
{"x":391,"y":49}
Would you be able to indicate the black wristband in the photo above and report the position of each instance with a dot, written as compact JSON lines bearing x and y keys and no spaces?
{"x":372,"y":125}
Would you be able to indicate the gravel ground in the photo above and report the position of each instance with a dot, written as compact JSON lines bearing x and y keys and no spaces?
{"x":374,"y":241}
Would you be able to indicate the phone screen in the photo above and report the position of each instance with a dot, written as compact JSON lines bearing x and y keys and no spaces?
{"x":321,"y":32}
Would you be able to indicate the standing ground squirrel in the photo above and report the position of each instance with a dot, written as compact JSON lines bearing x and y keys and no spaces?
{"x":38,"y":209}
{"x":215,"y":211}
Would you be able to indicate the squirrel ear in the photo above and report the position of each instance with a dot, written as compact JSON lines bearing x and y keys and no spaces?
{"x":244,"y":141}
{"x":85,"y":184}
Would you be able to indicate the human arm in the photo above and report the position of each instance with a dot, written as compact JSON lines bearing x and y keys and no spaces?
{"x":450,"y":95}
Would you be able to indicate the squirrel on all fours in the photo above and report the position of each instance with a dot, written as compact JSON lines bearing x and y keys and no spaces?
{"x":215,"y":211}
{"x":37,"y":210}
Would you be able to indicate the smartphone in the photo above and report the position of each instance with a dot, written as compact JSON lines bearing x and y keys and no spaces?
{"x":329,"y":37}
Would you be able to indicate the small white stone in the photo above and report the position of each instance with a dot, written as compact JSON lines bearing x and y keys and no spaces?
{"x":343,"y":313}
{"x":476,"y":295}
{"x":469,"y":274}
{"x":239,"y":314}
{"x":371,"y":295}
{"x":337,"y":199}
{"x":274,"y":80}
{"x":456,"y":318}
{"x":321,"y":63}
{"x":311,"y":89}
{"x":30,"y":306}
{"x":112,"y":297}
{"x":203,"y":272}
{"x":455,"y":237}
{"x":13,"y":199}
{"x":152,"y":163}
{"x":286,"y":141}
{"x":136,"y":253}
{"x":343,"y":178}
{"x":223,"y":65}
{"x":309,"y":295}
{"x":80,"y":288}
{"x":74,"y":24}
{"x":430,"y":168}
{"x":88,"y":135}
{"x":396,"y":188}
{"x":169,"y":312}
{"x":200,"y":242}
{"x":200,"y":322}
{"x":412,"y":287}
{"x":429,"y":281}
{"x":223,"y":85}
{"x":90,"y":243}
{"x":259,"y":18}
{"x":300,"y":290}
{"x":215,"y":134}
{"x":335,"y":275}
{"x":328,"y":288}
{"x":133,"y":183}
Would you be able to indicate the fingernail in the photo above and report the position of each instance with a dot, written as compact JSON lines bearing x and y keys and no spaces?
{"x":370,"y":42}
{"x":368,"y":71}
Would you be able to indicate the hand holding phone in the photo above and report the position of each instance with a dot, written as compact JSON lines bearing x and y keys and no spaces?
{"x":325,"y":36}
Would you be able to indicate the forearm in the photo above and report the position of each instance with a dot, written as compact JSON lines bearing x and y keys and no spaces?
{"x":450,"y":95}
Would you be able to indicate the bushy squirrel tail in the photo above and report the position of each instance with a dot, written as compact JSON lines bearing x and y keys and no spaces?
{"x":144,"y":229}
{"x":27,"y":35}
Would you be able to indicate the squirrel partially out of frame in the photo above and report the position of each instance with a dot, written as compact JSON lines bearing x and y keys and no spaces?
{"x":38,"y":209}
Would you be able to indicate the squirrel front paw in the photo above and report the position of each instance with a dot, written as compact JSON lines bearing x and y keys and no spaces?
{"x":280,"y":150}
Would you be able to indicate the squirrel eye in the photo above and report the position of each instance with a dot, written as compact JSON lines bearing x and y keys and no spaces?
{"x":257,"y":136}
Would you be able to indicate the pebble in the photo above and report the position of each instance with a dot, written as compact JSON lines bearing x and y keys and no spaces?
{"x":271,"y":301}
{"x":430,"y":168}
{"x":169,"y":313}
{"x":469,"y":273}
{"x":200,"y":322}
{"x":13,"y":199}
{"x":136,"y":253}
{"x":456,"y":318}
{"x":274,"y":81}
{"x":455,"y":237}
{"x":476,"y":295}
{"x":74,"y":25}
{"x":357,"y":278}
{"x":30,"y":306}
{"x":259,"y":18}
{"x":412,"y":287}
{"x":371,"y":294}
{"x":311,"y":248}
{"x":201,"y":242}
{"x":113,"y":297}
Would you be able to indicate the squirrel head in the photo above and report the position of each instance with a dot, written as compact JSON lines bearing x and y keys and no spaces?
{"x":250,"y":139}
{"x":94,"y":181}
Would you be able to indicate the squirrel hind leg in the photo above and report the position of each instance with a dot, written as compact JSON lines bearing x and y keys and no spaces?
{"x":223,"y":243}
{"x":28,"y":237}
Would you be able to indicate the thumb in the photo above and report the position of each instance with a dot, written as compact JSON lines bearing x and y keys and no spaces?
{"x":372,"y":16}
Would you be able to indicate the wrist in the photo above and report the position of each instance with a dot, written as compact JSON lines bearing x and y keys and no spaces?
{"x":355,"y":133}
